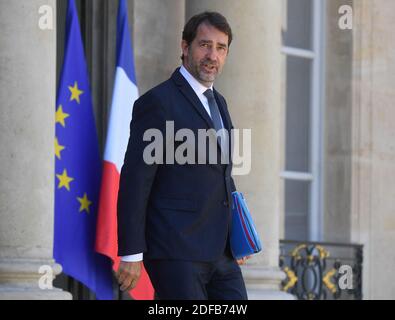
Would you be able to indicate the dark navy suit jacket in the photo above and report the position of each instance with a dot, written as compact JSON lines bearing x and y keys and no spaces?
{"x":173,"y":211}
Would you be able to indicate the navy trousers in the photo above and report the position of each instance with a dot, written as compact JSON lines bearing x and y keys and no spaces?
{"x":190,"y":280}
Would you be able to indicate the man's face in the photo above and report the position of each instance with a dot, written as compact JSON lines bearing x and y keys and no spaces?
{"x":205,"y":57}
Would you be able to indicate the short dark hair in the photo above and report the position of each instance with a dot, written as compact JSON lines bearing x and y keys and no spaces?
{"x":215,"y":19}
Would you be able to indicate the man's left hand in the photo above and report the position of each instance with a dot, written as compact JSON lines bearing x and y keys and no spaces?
{"x":243,"y":260}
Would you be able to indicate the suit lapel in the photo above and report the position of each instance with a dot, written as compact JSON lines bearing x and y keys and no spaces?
{"x":226,"y":121}
{"x":224,"y":114}
{"x":188,"y":92}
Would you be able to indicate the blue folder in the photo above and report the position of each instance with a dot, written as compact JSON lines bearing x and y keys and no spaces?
{"x":244,"y":239}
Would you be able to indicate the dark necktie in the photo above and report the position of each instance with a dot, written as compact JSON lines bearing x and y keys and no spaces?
{"x":216,"y":118}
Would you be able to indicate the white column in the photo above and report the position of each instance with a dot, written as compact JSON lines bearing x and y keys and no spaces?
{"x":373,"y":144}
{"x":27,"y":94}
{"x":251,"y":83}
{"x":161,"y":22}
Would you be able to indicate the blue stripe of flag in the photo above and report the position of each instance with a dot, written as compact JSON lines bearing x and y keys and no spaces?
{"x":124,"y":45}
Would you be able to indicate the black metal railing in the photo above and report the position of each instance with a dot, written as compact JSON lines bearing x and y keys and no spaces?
{"x":322,"y":270}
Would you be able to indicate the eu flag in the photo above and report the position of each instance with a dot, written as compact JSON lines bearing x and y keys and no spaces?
{"x":78,"y":171}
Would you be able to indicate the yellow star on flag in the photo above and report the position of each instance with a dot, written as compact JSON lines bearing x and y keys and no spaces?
{"x":64,"y":180}
{"x":61,"y":116}
{"x":75,"y":93}
{"x":85,"y":203}
{"x":58,"y":148}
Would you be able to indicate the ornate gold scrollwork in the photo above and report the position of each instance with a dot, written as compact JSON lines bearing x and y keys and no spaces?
{"x":292,"y":279}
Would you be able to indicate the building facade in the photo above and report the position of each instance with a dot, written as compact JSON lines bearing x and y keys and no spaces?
{"x":312,"y":82}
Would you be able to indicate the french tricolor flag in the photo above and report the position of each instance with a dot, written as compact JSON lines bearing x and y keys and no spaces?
{"x":124,"y":95}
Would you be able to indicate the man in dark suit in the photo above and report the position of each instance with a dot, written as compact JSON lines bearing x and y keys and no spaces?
{"x":177,"y":216}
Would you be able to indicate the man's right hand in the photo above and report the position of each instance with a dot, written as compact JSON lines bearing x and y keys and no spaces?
{"x":128,"y":274}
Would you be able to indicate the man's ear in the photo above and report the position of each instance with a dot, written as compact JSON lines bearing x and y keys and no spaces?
{"x":184,"y":47}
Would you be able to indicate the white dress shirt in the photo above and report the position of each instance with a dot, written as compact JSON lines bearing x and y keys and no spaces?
{"x":199,"y":90}
{"x":197,"y":87}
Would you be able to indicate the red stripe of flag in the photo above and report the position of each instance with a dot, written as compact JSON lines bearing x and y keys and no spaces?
{"x":106,"y":231}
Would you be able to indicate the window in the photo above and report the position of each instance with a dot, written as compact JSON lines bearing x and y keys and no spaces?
{"x":303,"y":48}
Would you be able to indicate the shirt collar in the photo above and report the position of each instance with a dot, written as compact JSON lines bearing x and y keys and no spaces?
{"x":196,"y":85}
